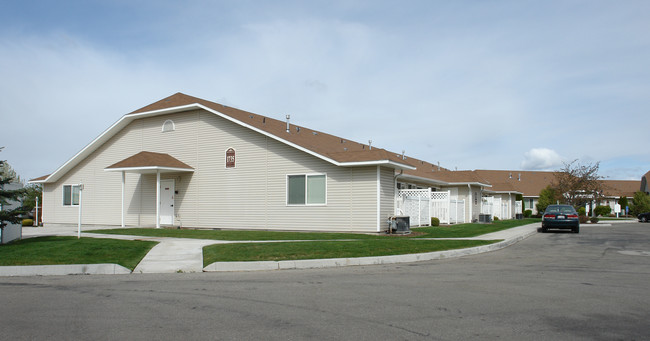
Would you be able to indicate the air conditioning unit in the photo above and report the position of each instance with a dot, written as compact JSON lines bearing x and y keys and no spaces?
{"x":400,"y":224}
{"x":485,"y":218}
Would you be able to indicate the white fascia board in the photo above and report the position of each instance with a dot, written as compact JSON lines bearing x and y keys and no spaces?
{"x":389,"y":163}
{"x":126,"y":119}
{"x":88,"y":149}
{"x":421,"y":179}
{"x":107,"y":134}
{"x":320,"y":156}
{"x":469,"y":183}
{"x":503,"y":192}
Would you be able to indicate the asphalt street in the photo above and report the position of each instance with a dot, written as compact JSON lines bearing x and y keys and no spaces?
{"x":562,"y":286}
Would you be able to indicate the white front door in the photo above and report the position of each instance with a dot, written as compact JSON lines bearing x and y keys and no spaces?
{"x":167,"y":202}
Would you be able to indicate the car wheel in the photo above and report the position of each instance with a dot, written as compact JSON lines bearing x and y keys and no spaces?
{"x":544,"y":229}
{"x":644,"y":219}
{"x":576,"y":229}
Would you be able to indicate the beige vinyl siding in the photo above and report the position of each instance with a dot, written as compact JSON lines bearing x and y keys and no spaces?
{"x":252,"y":195}
{"x":387,"y":196}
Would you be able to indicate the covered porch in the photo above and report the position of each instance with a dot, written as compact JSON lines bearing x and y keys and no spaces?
{"x":152,"y":163}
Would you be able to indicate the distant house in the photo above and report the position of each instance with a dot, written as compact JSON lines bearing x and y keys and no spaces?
{"x":531,"y":183}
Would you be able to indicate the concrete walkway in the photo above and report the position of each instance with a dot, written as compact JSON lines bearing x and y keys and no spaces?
{"x":186,"y":255}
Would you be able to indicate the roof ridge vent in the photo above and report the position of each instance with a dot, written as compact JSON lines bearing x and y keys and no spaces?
{"x":288,"y":127}
{"x":370,"y":144}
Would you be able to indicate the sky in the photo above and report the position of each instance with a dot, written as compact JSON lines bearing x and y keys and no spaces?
{"x":511,"y":85}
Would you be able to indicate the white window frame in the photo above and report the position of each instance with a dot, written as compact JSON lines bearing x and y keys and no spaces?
{"x":72,"y":186}
{"x":173,"y":126}
{"x":306,"y":175}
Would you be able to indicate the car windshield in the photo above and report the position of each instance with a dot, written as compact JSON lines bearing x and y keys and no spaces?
{"x":560,"y":209}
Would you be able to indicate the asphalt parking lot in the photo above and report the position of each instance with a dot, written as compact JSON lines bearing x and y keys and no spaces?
{"x":557,"y":285}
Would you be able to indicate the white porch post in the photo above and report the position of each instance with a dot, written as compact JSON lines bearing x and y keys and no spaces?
{"x":81,"y":190}
{"x":123,"y":181}
{"x":157,"y":199}
{"x":471,"y":203}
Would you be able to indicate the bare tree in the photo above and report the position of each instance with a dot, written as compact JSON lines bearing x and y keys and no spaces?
{"x":578,"y":184}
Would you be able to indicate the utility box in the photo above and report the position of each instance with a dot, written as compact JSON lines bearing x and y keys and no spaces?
{"x":485,"y":218}
{"x":399,"y":224}
{"x":10,"y":233}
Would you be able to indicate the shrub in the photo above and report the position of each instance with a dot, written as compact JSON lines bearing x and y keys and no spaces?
{"x":435,"y":221}
{"x":583,"y":219}
{"x":528,"y":213}
{"x":582,"y":211}
{"x":593,"y":220}
{"x":495,"y":218}
{"x":602,"y":210}
{"x":28,"y":222}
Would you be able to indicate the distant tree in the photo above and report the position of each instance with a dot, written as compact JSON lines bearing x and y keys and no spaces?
{"x":8,"y":216}
{"x":640,"y":203}
{"x":548,"y":196}
{"x":578,"y":184}
{"x":7,"y":171}
{"x":32,"y":191}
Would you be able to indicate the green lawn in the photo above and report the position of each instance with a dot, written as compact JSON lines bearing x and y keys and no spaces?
{"x":330,"y":249}
{"x":471,"y":229}
{"x":70,"y":250}
{"x":453,"y":231}
{"x":234,"y":234}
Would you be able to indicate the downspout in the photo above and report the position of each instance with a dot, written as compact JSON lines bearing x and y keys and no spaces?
{"x":401,"y":171}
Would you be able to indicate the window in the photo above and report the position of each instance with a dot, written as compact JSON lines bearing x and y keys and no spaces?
{"x":306,"y":189}
{"x":70,"y":195}
{"x":168,"y":126}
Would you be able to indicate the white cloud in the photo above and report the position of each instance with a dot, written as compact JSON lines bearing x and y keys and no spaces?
{"x":541,"y":159}
{"x":460,"y":89}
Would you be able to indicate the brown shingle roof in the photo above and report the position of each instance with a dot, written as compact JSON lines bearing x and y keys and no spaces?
{"x":149,"y":159}
{"x":330,"y":146}
{"x":621,"y":188}
{"x":530,"y":183}
{"x":39,"y":178}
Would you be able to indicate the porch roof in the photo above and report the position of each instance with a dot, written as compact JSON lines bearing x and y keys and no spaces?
{"x":149,"y":162}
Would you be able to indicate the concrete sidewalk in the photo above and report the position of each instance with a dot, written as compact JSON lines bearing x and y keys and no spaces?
{"x":172,"y":255}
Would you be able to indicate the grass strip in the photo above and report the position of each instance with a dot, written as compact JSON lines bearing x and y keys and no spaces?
{"x":70,"y":250}
{"x":235,"y":235}
{"x":453,"y":231}
{"x":330,"y":249}
{"x":470,"y":229}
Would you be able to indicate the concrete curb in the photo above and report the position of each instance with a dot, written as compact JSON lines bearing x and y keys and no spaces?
{"x":338,"y":262}
{"x":67,"y":269}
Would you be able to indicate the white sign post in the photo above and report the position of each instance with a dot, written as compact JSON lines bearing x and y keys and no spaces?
{"x":617,"y":209}
{"x":81,"y":189}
